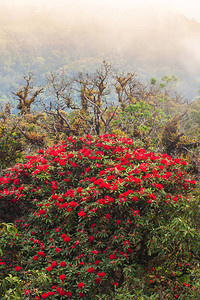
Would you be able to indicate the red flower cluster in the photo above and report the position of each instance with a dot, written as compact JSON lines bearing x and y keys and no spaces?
{"x":106,"y":196}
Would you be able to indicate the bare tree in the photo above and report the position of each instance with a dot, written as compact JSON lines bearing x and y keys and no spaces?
{"x":27,"y":95}
{"x":94,"y":90}
{"x":60,"y":89}
{"x":126,"y":87}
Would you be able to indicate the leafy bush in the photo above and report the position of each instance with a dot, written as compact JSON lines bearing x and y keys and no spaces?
{"x":11,"y":149}
{"x":99,"y":219}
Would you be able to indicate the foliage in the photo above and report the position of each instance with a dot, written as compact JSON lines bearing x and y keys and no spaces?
{"x":7,"y":229}
{"x":98,"y":218}
{"x":10,"y":143}
{"x":186,"y":143}
{"x":143,"y":121}
{"x":10,"y":285}
{"x":191,"y":121}
{"x":10,"y":288}
{"x":19,"y":135}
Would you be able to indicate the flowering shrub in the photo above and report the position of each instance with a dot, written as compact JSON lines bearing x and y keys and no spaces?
{"x":97,"y":217}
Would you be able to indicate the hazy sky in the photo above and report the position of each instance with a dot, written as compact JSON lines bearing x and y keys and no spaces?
{"x":190,"y":8}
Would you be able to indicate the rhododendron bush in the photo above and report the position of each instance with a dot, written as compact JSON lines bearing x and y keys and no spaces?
{"x":96,"y":217}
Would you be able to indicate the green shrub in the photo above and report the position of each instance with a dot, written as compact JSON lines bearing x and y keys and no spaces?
{"x":99,"y":219}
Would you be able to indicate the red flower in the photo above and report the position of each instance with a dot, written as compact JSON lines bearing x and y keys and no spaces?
{"x":72,"y":204}
{"x":108,"y":216}
{"x":40,"y":253}
{"x":152,"y":196}
{"x":81,"y":294}
{"x":69,"y":294}
{"x":98,"y":280}
{"x":54,"y":264}
{"x":135,"y":198}
{"x":60,"y":291}
{"x":112,"y":256}
{"x":62,"y":162}
{"x":63,"y":264}
{"x":177,"y":160}
{"x":74,"y":165}
{"x":102,"y":274}
{"x":40,"y":151}
{"x":91,"y":238}
{"x":175,"y":199}
{"x":79,"y":189}
{"x":67,"y":239}
{"x":136,"y":212}
{"x":17,"y":268}
{"x":91,"y":270}
{"x":50,"y":293}
{"x":82,"y":214}
{"x":126,"y":243}
{"x":81,"y":285}
{"x":53,"y":287}
{"x":58,"y":249}
{"x":35,"y":257}
{"x":57,"y":229}
{"x":62,"y":277}
{"x":163,"y":161}
{"x":44,"y":295}
{"x":41,"y":212}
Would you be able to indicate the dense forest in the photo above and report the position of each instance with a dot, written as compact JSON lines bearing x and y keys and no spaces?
{"x":99,"y":155}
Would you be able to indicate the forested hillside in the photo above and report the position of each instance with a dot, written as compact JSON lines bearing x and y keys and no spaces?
{"x":42,"y":41}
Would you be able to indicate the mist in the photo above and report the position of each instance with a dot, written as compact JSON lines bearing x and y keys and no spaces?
{"x":152,"y":43}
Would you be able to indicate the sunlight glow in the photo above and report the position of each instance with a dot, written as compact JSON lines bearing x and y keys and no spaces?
{"x":190,"y":8}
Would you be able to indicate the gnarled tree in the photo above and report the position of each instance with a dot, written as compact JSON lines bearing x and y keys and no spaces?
{"x":94,"y":90}
{"x":27,"y":95}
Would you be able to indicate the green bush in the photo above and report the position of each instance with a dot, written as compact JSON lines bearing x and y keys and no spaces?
{"x":99,"y":219}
